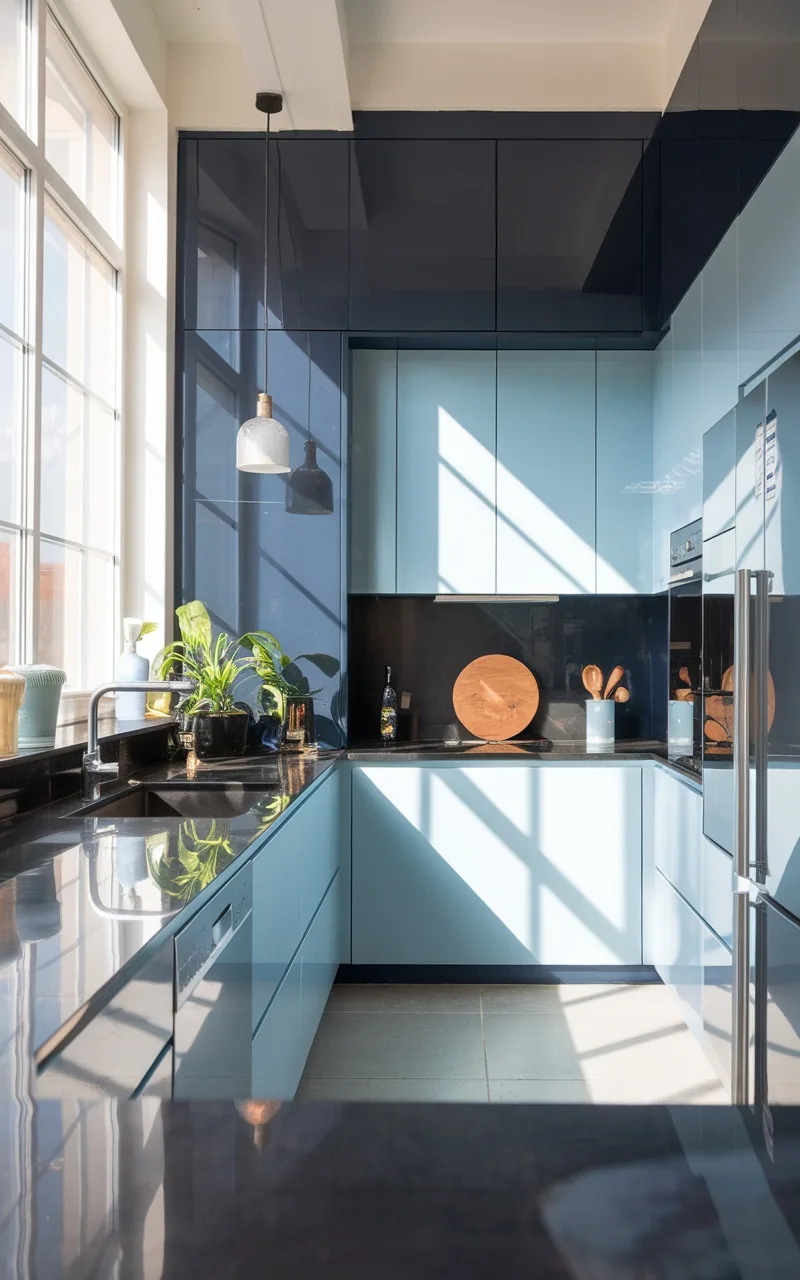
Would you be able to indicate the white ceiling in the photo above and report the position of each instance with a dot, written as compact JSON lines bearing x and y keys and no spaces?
{"x":330,"y":57}
{"x":508,"y":21}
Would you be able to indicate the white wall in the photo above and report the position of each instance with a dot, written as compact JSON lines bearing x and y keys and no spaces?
{"x":741,"y":311}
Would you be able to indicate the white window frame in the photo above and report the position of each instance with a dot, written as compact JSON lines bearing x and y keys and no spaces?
{"x":27,"y":142}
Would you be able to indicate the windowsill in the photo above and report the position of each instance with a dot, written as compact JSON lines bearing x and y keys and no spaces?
{"x":72,"y":737}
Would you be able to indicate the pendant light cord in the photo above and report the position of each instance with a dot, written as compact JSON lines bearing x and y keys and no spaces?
{"x":308,"y":353}
{"x":266,"y":265}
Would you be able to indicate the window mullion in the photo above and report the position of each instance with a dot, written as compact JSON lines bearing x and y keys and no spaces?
{"x":32,"y":513}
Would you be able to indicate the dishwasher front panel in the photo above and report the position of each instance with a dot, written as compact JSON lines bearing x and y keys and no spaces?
{"x":213,"y":995}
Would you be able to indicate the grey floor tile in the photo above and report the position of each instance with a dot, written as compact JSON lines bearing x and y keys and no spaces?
{"x":529,"y":1047}
{"x":416,"y":998}
{"x":397,"y":1045}
{"x":539,"y":1091}
{"x":392,"y":1091}
{"x":604,"y":1000}
{"x":623,"y":1091}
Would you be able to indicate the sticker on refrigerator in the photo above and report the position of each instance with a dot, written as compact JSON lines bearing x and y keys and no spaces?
{"x":771,"y":467}
{"x":759,"y":459}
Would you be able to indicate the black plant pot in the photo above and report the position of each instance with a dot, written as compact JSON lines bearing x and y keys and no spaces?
{"x":218,"y":733}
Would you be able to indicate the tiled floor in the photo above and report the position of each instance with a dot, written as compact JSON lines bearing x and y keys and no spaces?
{"x":507,"y":1044}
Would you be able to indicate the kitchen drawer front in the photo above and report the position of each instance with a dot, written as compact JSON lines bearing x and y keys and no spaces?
{"x":718,"y":891}
{"x":717,"y":1004}
{"x":320,"y":834}
{"x":678,"y":818}
{"x":678,"y":950}
{"x":319,"y":961}
{"x":278,"y":1047}
{"x":277,"y":912}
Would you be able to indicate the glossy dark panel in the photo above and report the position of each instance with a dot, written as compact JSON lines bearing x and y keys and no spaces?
{"x":253,"y":563}
{"x":308,"y":234}
{"x":228,"y":235}
{"x":422,"y":235}
{"x":680,"y":250}
{"x":553,"y":125}
{"x":428,"y":644}
{"x":569,"y":235}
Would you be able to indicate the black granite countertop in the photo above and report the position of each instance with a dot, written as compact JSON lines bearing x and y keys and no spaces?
{"x":635,"y":751}
{"x":359,"y":1191}
{"x":85,"y":898}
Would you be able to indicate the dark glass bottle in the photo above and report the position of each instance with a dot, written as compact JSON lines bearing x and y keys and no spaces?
{"x":388,"y":710}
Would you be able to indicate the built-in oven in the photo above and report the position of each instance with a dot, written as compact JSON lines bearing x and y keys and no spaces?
{"x":684,"y":723}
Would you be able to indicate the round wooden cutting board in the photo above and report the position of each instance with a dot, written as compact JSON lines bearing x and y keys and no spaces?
{"x":495,"y":697}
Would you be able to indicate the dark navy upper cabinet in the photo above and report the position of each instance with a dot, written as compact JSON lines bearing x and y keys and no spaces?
{"x":225,"y":235}
{"x":422,"y":235}
{"x":569,"y":235}
{"x":308,"y":233}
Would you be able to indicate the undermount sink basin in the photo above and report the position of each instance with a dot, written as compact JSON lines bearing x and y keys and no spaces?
{"x":191,"y":801}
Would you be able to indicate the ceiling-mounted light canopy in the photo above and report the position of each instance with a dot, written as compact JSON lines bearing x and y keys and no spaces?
{"x":262,"y":444}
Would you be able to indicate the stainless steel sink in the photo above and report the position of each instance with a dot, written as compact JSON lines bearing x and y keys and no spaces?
{"x":193,"y":800}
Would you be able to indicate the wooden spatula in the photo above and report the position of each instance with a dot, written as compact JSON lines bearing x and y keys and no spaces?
{"x":613,"y":681}
{"x":683,"y":675}
{"x":621,"y":695}
{"x":592,"y":678}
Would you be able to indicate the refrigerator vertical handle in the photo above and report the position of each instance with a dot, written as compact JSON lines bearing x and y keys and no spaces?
{"x":740,"y":1039}
{"x":760,"y":717}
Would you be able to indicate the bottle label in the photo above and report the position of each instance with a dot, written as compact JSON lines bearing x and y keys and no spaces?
{"x":388,"y":723}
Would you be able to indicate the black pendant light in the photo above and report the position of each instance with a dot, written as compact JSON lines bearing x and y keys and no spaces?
{"x":309,"y":489}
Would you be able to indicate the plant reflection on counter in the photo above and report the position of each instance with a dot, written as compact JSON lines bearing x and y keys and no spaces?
{"x":182,"y":864}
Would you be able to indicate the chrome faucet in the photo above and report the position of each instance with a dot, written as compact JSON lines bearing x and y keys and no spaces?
{"x":92,"y":762}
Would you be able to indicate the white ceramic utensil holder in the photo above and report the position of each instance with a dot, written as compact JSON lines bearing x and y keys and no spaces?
{"x":600,"y":723}
{"x":680,"y":725}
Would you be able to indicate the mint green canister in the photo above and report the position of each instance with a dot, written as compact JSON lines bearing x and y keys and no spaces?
{"x":38,"y":714}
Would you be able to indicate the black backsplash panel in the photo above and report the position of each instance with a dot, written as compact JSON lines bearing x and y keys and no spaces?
{"x":428,"y":644}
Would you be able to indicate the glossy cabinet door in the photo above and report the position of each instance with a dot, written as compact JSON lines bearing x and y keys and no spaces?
{"x":685,"y":438}
{"x":446,"y":439}
{"x":624,"y":470}
{"x":678,"y":833}
{"x":719,"y":477}
{"x":279,"y":1052}
{"x":495,"y":864}
{"x":663,"y":398}
{"x":319,"y":960}
{"x":291,"y":875}
{"x":720,"y":331}
{"x":422,"y":234}
{"x":569,"y":235}
{"x":678,"y":950}
{"x":546,"y":472}
{"x":228,"y":235}
{"x":373,"y":473}
{"x":308,"y":233}
{"x":769,"y":265}
{"x":751,"y":414}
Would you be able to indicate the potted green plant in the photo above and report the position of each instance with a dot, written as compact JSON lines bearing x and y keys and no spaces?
{"x":281,"y":679}
{"x":210,"y":711}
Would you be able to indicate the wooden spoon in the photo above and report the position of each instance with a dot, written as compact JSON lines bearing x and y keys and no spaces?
{"x":621,"y":695}
{"x":715,"y":732}
{"x":592,"y":678}
{"x":683,"y":675}
{"x":613,"y":681}
{"x":684,"y":695}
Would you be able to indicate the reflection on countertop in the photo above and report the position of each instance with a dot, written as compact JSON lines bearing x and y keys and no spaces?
{"x":355,"y":1191}
{"x":86,"y":899}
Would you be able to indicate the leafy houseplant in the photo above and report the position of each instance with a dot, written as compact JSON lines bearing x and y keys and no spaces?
{"x":280,"y":676}
{"x":210,"y":711}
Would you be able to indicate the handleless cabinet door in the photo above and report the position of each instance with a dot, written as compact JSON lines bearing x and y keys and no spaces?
{"x":750,"y":431}
{"x":422,"y":234}
{"x":373,"y":473}
{"x":446,"y":439}
{"x":624,"y":468}
{"x":546,"y":472}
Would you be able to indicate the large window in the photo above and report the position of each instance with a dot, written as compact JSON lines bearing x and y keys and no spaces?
{"x":60,"y":375}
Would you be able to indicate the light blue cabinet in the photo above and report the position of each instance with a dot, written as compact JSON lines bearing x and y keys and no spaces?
{"x":487,"y":864}
{"x":546,"y":472}
{"x":278,"y":1054}
{"x":678,"y":833}
{"x":663,"y":399}
{"x":446,"y":433}
{"x":624,"y":471}
{"x":290,"y":877}
{"x":678,"y":950}
{"x":373,"y":473}
{"x":720,"y":330}
{"x":319,"y":958}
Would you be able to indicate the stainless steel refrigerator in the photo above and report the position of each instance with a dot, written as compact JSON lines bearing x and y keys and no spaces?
{"x":751,"y":738}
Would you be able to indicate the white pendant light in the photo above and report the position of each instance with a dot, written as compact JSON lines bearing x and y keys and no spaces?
{"x":262,"y":443}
